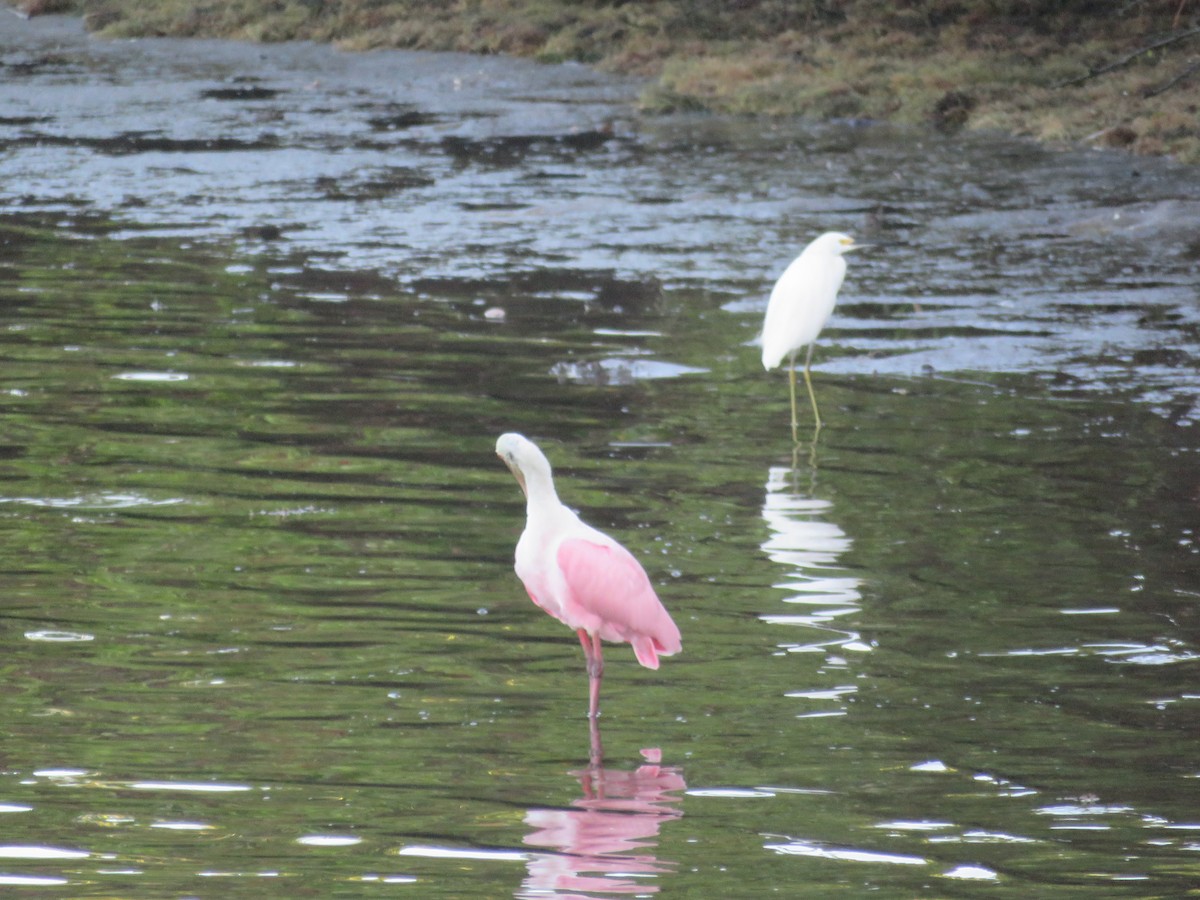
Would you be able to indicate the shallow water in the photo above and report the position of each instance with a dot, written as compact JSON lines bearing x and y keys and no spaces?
{"x":266,"y":310}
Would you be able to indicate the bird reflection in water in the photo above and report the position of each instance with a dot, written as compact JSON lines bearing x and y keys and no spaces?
{"x":798,"y":450}
{"x":822,"y":593}
{"x":604,"y":842}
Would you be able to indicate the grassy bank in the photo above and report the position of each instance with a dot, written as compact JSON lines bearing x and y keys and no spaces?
{"x":1117,"y":73}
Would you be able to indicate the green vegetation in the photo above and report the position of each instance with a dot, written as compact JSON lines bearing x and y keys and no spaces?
{"x":1028,"y":67}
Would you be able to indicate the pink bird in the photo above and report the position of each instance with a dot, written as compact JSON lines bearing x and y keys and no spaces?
{"x":580,"y":575}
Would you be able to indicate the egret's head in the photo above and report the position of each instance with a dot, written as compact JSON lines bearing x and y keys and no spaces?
{"x":837,"y":243}
{"x":522,"y":457}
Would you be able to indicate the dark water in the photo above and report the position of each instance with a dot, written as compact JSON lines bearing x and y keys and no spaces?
{"x":261,"y":635}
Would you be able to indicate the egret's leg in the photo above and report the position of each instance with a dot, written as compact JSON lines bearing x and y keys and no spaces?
{"x":792,"y":386}
{"x":595,"y":669}
{"x":808,"y":381}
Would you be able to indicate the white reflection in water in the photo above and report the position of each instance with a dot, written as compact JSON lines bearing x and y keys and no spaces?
{"x":462,"y":853}
{"x":1074,"y":809}
{"x":32,"y":880}
{"x":1005,"y":787}
{"x":976,"y":836}
{"x":604,"y":842}
{"x":995,"y":837}
{"x":182,"y":826}
{"x":971,"y":873}
{"x":922,"y":825}
{"x":822,"y":598}
{"x":930,"y":765}
{"x":33,"y":851}
{"x":809,"y":548}
{"x":268,"y":363}
{"x":1121,"y":653}
{"x":151,"y":376}
{"x":732,"y":793}
{"x":205,"y":787}
{"x":844,"y":854}
{"x":59,"y":637}
{"x":61,"y":774}
{"x":328,"y":840}
{"x":102,"y":500}
{"x":827,"y":694}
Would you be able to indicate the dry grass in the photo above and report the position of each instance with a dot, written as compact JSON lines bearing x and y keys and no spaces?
{"x":994,"y":64}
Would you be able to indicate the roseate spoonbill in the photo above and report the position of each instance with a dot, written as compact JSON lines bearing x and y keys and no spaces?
{"x":800,"y":305}
{"x":580,"y":575}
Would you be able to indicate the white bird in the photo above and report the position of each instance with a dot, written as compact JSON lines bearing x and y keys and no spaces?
{"x":581,"y":576}
{"x":800,"y":305}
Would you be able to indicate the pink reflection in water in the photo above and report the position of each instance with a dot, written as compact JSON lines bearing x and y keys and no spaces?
{"x":605,"y":841}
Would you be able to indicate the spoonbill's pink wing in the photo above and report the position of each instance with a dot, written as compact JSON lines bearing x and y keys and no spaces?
{"x":610,"y":595}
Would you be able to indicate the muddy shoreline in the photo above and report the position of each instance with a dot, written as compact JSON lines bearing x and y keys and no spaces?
{"x":1075,"y":73}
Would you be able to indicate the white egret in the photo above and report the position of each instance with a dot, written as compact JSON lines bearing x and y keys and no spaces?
{"x":800,"y":305}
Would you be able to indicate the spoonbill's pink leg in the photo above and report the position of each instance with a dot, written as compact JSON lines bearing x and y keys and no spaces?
{"x":595,"y":669}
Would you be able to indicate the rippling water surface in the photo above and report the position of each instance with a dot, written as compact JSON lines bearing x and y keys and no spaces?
{"x":264,"y":312}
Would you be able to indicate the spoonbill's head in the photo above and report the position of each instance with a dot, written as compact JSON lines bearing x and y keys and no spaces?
{"x":523,"y":458}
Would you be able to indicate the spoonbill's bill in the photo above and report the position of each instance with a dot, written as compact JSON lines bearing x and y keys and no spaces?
{"x":580,"y":575}
{"x":800,"y":305}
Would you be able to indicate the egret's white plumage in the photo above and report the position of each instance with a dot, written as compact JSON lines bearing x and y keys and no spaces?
{"x":800,"y":305}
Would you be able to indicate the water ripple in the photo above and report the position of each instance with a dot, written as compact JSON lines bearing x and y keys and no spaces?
{"x":203,"y":787}
{"x":463,"y":853}
{"x":34,"y":851}
{"x":59,"y":637}
{"x":328,"y":840}
{"x":152,"y":376}
{"x":972,"y":873}
{"x":844,"y":854}
{"x":104,"y":500}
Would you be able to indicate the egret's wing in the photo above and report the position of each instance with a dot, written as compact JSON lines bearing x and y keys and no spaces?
{"x":800,"y":305}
